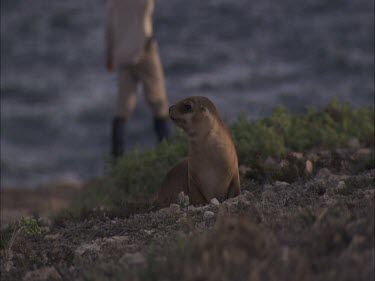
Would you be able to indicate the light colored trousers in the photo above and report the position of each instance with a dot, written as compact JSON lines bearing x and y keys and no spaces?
{"x":149,"y":71}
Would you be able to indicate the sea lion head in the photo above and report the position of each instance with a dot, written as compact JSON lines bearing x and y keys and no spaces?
{"x":195,"y":115}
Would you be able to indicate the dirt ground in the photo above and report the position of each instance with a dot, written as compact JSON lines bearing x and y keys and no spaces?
{"x":43,"y":200}
{"x":319,"y":227}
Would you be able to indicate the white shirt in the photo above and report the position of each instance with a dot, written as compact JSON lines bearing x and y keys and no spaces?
{"x":129,"y":25}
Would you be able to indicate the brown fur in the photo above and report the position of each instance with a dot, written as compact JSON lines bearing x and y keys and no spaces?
{"x":211,"y":168}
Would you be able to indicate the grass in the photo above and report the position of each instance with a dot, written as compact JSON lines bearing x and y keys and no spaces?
{"x":138,"y":174}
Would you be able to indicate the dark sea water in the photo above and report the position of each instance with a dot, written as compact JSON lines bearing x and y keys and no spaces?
{"x":57,"y":99}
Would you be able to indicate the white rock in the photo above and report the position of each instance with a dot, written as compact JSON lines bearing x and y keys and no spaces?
{"x":215,"y":202}
{"x":208,"y":215}
{"x":134,"y":258}
{"x":354,"y":143}
{"x":93,"y":247}
{"x":116,"y":239}
{"x":174,"y":208}
{"x":281,"y":183}
{"x":323,"y":173}
{"x":298,"y":155}
{"x":340,"y":185}
{"x":183,"y":200}
{"x":309,"y":166}
{"x":51,"y":237}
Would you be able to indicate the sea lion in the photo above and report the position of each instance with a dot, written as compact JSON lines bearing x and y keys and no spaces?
{"x":211,"y":168}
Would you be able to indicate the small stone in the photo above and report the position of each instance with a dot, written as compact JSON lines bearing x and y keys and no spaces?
{"x":340,"y":185}
{"x":149,"y":232}
{"x":134,"y":258}
{"x":309,"y":166}
{"x":364,"y":151}
{"x":116,"y":239}
{"x":270,"y":162}
{"x":208,"y":215}
{"x":87,"y":248}
{"x":354,"y":143}
{"x":281,"y":183}
{"x":297,"y":155}
{"x":243,"y":170}
{"x":215,"y":202}
{"x":323,"y":173}
{"x":358,"y":240}
{"x":51,"y":237}
{"x":191,"y":208}
{"x":248,"y":195}
{"x":8,"y":266}
{"x":285,"y":254}
{"x":183,"y":200}
{"x":174,"y":208}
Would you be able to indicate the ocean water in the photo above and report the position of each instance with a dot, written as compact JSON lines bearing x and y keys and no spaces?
{"x":57,"y":99}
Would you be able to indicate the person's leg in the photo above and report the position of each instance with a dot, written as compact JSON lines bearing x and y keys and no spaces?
{"x":126,"y":99}
{"x":151,"y":73}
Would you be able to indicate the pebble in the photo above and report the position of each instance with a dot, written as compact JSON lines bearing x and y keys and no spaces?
{"x":174,"y":208}
{"x":51,"y":237}
{"x":87,"y":248}
{"x":183,"y":200}
{"x":208,"y":215}
{"x":116,"y":239}
{"x":215,"y":202}
{"x":309,"y":166}
{"x":134,"y":258}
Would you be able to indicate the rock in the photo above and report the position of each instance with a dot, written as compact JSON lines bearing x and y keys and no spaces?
{"x":297,"y":155}
{"x":248,"y":195}
{"x":215,"y":202}
{"x":354,"y":143}
{"x":175,"y":208}
{"x":191,"y":208}
{"x":243,"y":170}
{"x":285,"y":254}
{"x":183,"y":200}
{"x":358,"y":240}
{"x":281,"y":183}
{"x":309,"y":167}
{"x":149,"y":232}
{"x":41,"y":274}
{"x":51,"y":237}
{"x":270,"y":162}
{"x":208,"y":215}
{"x":44,"y":221}
{"x":340,"y":185}
{"x":134,"y":258}
{"x":8,"y":266}
{"x":93,"y":247}
{"x":323,"y":173}
{"x":364,"y":151}
{"x":116,"y":239}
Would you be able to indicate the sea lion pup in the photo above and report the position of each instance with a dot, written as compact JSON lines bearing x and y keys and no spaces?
{"x":211,"y":168}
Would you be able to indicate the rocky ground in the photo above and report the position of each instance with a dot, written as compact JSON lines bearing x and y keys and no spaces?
{"x":306,"y":217}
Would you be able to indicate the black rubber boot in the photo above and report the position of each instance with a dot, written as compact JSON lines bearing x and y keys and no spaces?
{"x":118,"y":136}
{"x":162,"y":129}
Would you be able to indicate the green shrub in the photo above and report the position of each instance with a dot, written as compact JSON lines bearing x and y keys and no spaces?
{"x":138,"y":174}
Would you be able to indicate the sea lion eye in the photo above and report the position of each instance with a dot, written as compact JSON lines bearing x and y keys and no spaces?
{"x":188,"y":107}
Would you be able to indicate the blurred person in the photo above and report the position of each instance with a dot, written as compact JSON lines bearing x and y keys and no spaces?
{"x":133,"y":52}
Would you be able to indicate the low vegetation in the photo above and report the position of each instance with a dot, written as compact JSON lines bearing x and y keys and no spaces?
{"x":138,"y":174}
{"x":305,"y":212}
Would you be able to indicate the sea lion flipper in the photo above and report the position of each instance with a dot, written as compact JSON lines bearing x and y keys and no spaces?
{"x":176,"y":181}
{"x":234,"y":187}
